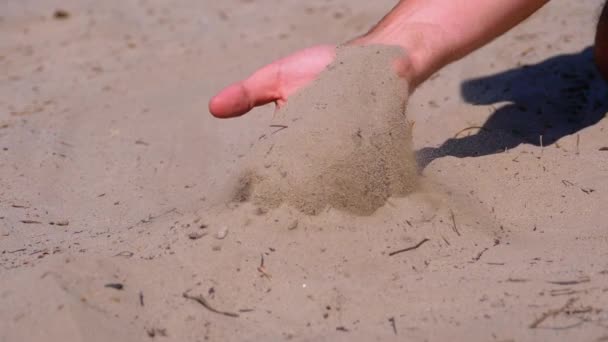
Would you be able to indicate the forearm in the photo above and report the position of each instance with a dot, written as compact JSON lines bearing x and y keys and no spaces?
{"x":437,"y":32}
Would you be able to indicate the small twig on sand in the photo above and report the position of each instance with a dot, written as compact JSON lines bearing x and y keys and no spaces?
{"x":45,"y":251}
{"x":562,"y":292}
{"x":604,"y":149}
{"x":17,"y":250}
{"x":151,"y":218}
{"x":476,"y":258}
{"x":393,"y":324}
{"x":202,"y":301}
{"x":409,"y":248}
{"x":126,"y":254}
{"x":280,"y":128}
{"x":454,"y":227}
{"x":578,"y":142}
{"x":567,"y":182}
{"x":584,"y":310}
{"x":517,"y":280}
{"x":115,"y":286}
{"x":31,"y":222}
{"x":445,"y":240}
{"x":469,"y":128}
{"x":571,"y":282}
{"x":262,"y":269}
{"x":585,"y":190}
{"x":552,"y":313}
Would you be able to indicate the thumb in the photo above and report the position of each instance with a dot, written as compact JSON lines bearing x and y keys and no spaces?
{"x":237,"y":99}
{"x":273,"y":83}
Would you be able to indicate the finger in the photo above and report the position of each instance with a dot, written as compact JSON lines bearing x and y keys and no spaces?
{"x":260,"y":88}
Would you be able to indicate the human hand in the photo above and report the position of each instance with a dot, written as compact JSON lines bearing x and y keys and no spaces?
{"x":272,"y":83}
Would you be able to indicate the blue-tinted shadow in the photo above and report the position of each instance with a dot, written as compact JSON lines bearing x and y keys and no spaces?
{"x":555,"y":98}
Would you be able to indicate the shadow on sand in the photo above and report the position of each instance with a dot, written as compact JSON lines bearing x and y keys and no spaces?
{"x":555,"y":98}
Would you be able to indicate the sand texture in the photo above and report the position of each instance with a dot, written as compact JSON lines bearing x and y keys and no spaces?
{"x":114,"y":222}
{"x":343,"y":142}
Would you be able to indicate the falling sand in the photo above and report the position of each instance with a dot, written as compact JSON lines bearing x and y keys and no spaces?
{"x":343,"y":142}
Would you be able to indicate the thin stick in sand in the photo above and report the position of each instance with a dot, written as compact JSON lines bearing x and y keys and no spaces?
{"x":480,"y":254}
{"x":393,"y":324}
{"x":470,"y":128}
{"x":571,"y":282}
{"x":454,"y":227}
{"x":30,"y":222}
{"x":552,"y":313}
{"x":409,"y":248}
{"x":280,"y":128}
{"x":202,"y":301}
{"x":262,"y":269}
{"x":445,"y":240}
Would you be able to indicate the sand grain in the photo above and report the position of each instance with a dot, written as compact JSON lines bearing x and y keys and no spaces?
{"x":343,"y":142}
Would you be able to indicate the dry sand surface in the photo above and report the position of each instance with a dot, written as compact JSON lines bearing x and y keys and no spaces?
{"x":114,"y":223}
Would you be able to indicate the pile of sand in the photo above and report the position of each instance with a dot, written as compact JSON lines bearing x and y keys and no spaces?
{"x":343,"y":142}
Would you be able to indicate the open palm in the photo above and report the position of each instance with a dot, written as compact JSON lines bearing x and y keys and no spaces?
{"x":272,"y":83}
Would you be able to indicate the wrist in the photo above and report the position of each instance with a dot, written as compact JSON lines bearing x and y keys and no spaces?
{"x":422,"y":44}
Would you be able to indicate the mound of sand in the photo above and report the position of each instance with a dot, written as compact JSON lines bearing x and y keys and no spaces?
{"x":342,"y":142}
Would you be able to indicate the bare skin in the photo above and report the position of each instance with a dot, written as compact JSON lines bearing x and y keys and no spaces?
{"x":433,"y":32}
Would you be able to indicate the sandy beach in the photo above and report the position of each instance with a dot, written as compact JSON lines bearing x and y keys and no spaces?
{"x":115,"y":184}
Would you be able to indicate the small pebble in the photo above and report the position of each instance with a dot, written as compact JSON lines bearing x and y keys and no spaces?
{"x":61,"y":14}
{"x":260,"y":211}
{"x":221,"y":234}
{"x":293,"y":225}
{"x":196,"y":236}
